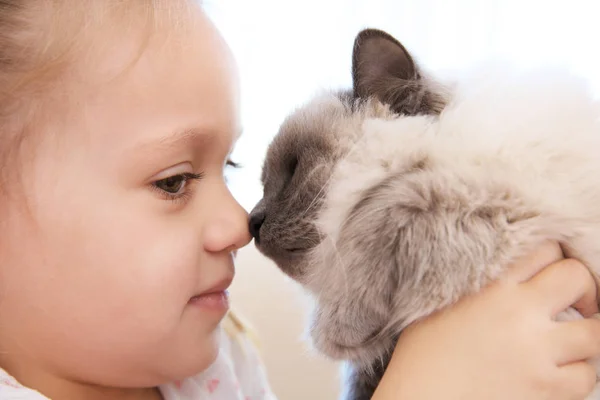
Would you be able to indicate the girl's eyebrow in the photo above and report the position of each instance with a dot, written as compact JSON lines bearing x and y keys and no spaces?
{"x":180,"y":138}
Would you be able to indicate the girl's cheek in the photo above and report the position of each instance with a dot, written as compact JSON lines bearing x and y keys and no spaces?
{"x":174,"y":259}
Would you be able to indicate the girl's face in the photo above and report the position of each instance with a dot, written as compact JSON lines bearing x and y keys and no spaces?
{"x":128,"y":218}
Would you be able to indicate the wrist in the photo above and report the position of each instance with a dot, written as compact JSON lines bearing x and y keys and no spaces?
{"x":414,"y":374}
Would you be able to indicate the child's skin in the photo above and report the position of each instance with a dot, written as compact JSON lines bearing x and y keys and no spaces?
{"x":101,"y":255}
{"x":502,"y":343}
{"x":98,"y":274}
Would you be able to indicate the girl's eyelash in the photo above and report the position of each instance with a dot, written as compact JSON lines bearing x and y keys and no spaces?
{"x":185,"y":179}
{"x":233,"y":164}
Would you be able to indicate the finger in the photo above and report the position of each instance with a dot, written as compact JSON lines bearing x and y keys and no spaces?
{"x":563,"y":284}
{"x":576,"y":340}
{"x":587,"y":305}
{"x":528,"y":266}
{"x":576,"y":380}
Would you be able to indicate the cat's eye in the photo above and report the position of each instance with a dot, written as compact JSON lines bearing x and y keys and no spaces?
{"x":292,"y":165}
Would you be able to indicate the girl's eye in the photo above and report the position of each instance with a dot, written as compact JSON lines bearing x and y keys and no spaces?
{"x":172,"y":184}
{"x":176,"y":184}
{"x":175,"y":187}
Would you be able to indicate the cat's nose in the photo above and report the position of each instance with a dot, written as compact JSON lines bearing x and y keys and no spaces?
{"x":256,"y":221}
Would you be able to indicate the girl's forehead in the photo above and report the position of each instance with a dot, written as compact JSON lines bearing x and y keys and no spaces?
{"x":190,"y":43}
{"x":177,"y":88}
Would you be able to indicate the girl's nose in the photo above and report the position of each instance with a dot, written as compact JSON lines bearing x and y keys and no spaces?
{"x":228,"y":228}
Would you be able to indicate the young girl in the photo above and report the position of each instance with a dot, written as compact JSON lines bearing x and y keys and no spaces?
{"x":118,"y":230}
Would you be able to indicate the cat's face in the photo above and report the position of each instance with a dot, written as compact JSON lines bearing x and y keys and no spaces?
{"x":314,"y":138}
{"x":297,"y":172}
{"x":302,"y":163}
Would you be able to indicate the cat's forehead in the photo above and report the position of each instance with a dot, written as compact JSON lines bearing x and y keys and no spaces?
{"x":313,"y":127}
{"x":318,"y":117}
{"x":326,"y":126}
{"x":329,"y":119}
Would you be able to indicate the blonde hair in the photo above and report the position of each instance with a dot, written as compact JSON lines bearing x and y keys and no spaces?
{"x":42,"y":42}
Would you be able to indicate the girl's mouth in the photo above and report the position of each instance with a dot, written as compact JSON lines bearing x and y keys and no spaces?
{"x":214,"y":301}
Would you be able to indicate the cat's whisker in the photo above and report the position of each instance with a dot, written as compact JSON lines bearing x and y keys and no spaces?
{"x":340,"y":264}
{"x":336,"y":253}
{"x":320,"y":194}
{"x":314,"y":201}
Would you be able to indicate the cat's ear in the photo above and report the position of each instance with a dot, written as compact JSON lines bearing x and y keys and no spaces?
{"x":381,"y":67}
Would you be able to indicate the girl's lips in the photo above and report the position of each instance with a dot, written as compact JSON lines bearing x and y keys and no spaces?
{"x":214,"y":301}
{"x":213,"y":297}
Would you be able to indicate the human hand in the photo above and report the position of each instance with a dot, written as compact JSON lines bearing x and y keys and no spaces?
{"x":503,"y":343}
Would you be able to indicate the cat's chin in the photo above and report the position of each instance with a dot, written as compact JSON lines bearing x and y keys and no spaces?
{"x":290,"y":262}
{"x":361,"y":353}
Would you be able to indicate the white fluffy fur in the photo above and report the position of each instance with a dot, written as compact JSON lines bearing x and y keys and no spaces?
{"x":545,"y":119}
{"x":539,"y":130}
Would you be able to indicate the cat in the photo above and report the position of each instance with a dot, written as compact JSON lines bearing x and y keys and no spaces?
{"x":395,"y":198}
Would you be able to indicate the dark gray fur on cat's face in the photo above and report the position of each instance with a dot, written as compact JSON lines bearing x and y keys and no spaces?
{"x":310,"y":142}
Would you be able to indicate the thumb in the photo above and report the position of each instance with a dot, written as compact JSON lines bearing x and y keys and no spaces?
{"x":527,"y":267}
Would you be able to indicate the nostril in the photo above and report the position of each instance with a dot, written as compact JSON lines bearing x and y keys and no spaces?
{"x":256,"y":221}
